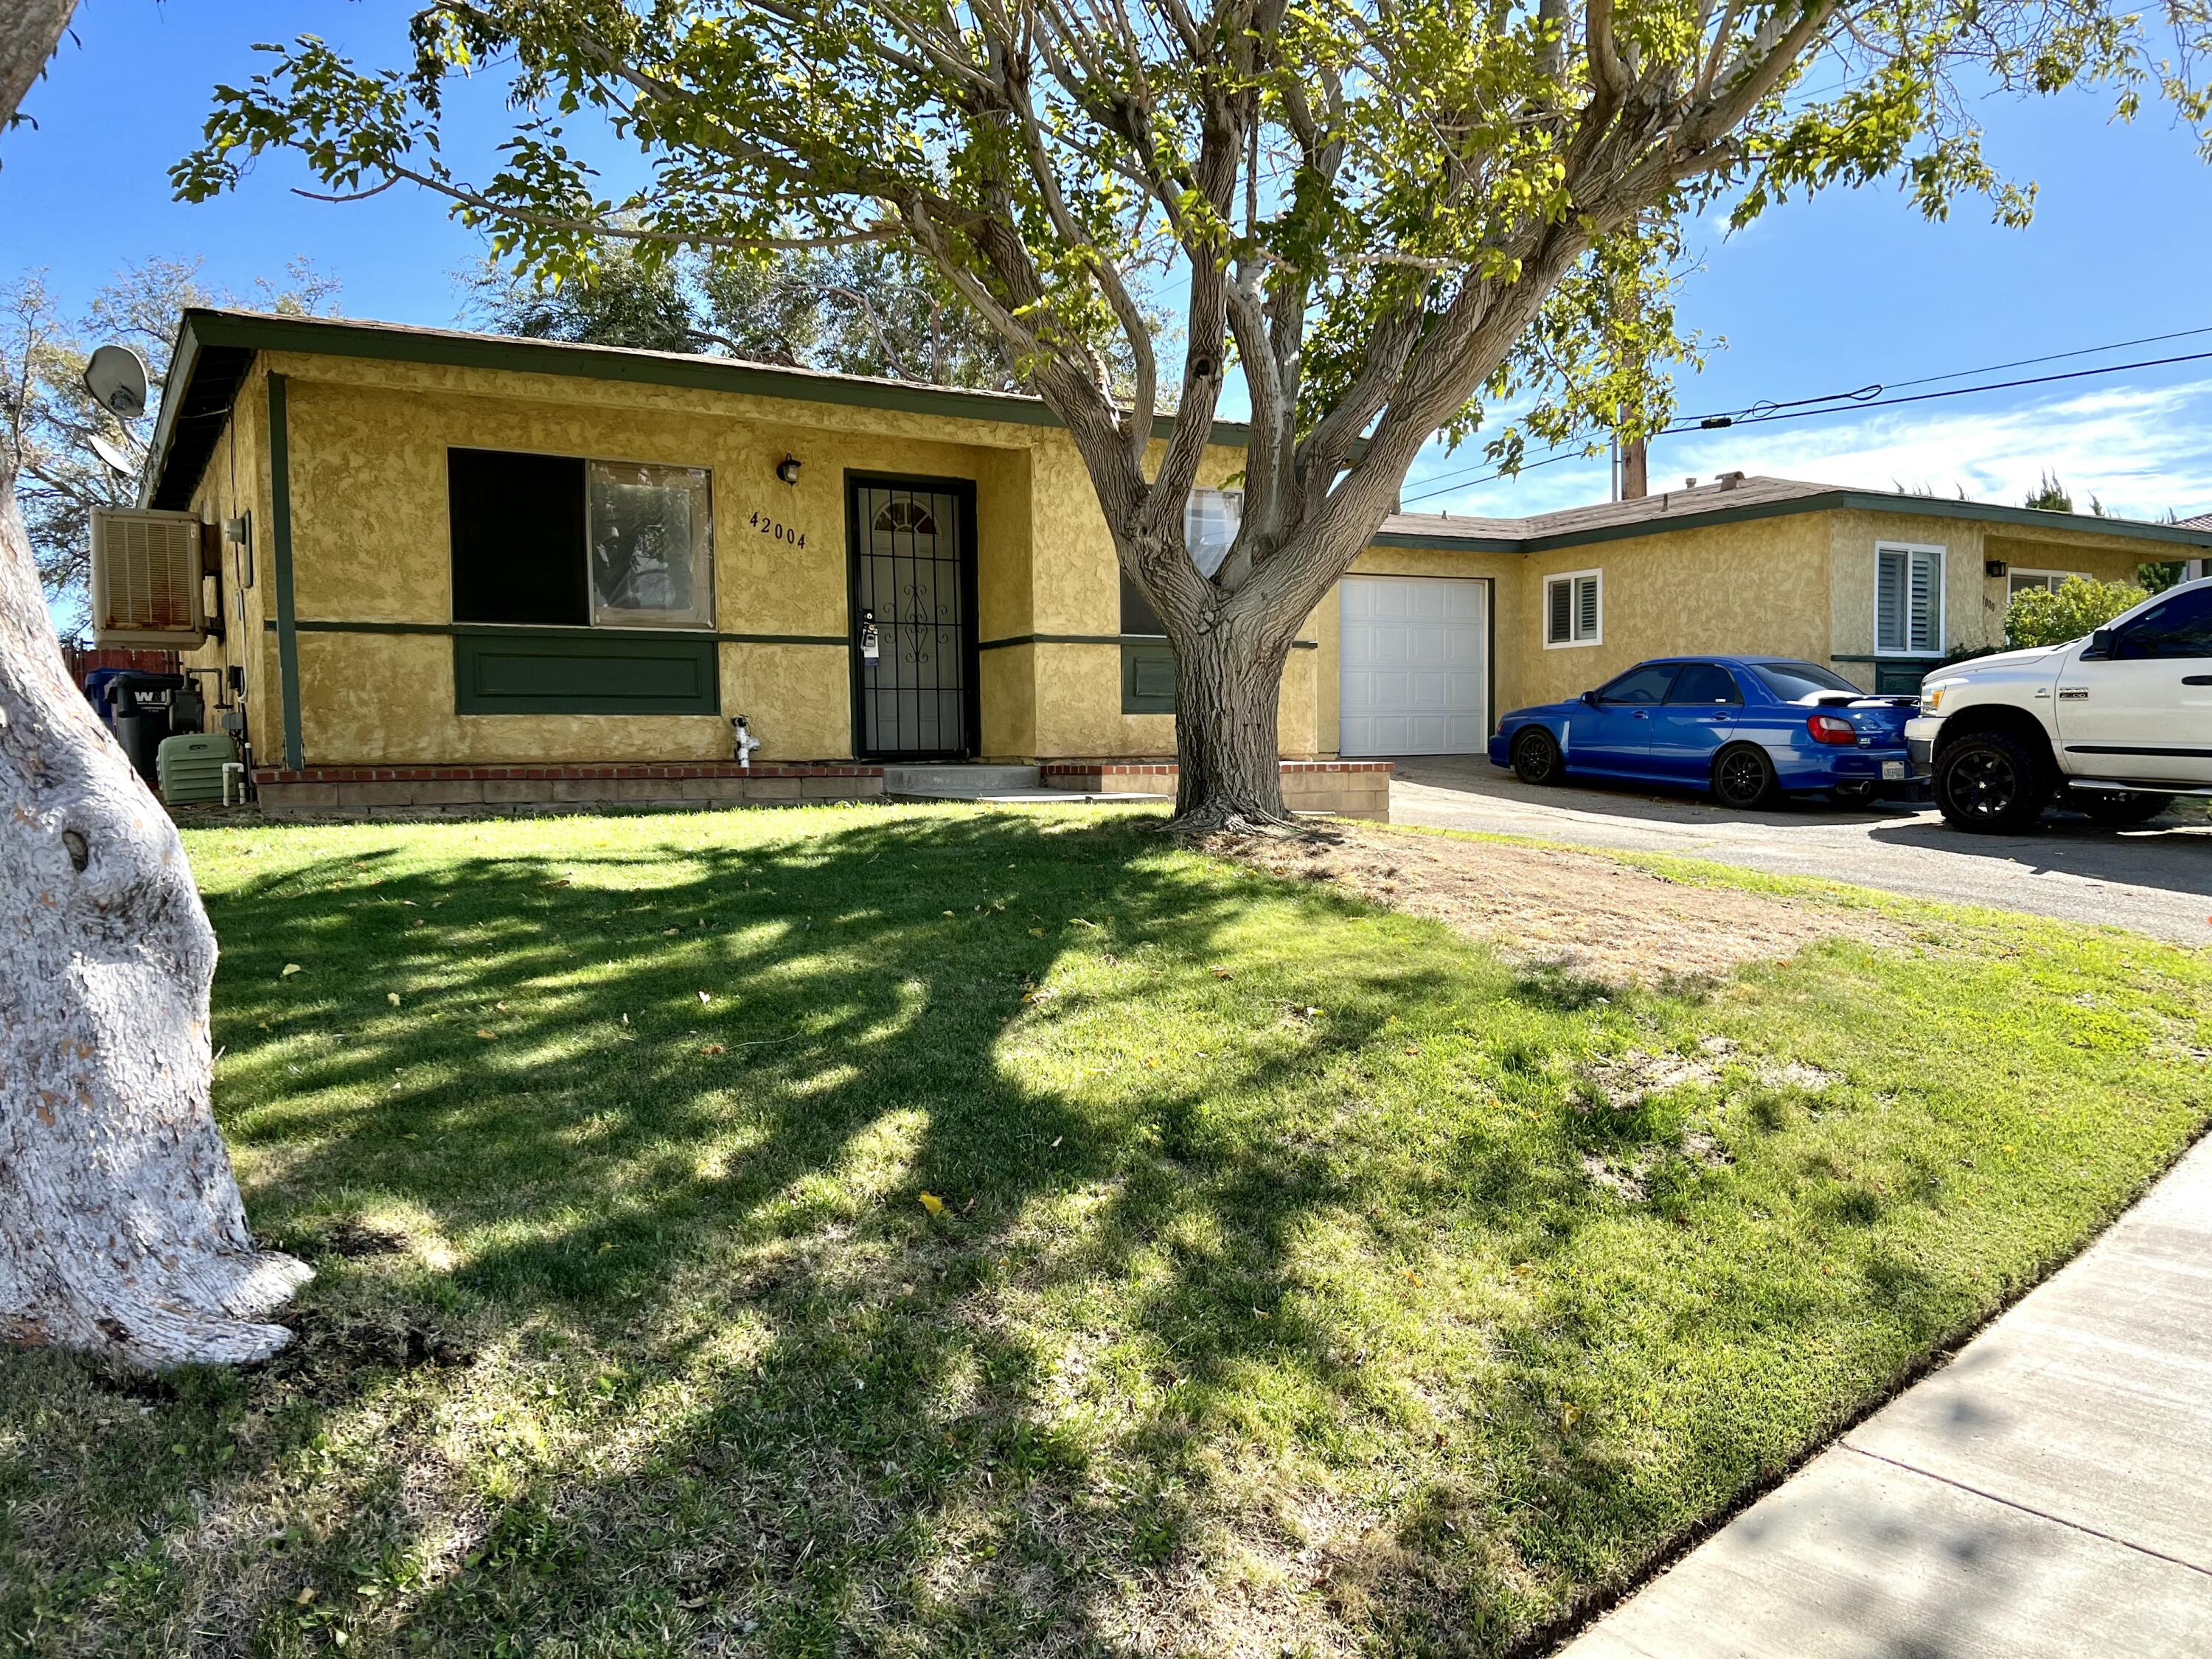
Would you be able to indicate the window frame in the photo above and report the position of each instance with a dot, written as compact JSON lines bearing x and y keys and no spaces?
{"x":1596,"y":577}
{"x":591,"y":601}
{"x":2049,"y":579}
{"x":1942,"y":557}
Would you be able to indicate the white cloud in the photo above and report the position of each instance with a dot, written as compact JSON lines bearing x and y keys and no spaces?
{"x":2142,"y":451}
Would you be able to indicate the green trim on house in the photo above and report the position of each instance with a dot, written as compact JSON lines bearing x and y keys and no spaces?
{"x":280,"y":526}
{"x":307,"y":626}
{"x":1148,"y":679}
{"x":526,"y":670}
{"x":205,"y":335}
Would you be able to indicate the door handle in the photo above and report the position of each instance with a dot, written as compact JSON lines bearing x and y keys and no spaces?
{"x":2196,"y":679}
{"x":1643,"y":715}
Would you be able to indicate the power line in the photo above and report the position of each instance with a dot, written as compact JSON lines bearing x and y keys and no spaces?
{"x":1860,"y":396}
{"x":1781,"y":413}
{"x":1867,"y":396}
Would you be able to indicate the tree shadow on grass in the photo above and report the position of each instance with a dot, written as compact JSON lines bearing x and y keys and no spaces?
{"x":637,"y":1332}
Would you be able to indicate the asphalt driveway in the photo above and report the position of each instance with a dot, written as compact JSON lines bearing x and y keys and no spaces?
{"x":2157,"y":880}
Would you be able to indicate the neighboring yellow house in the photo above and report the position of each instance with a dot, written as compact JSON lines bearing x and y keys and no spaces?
{"x":460,"y":571}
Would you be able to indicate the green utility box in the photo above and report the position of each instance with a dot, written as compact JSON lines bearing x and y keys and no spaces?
{"x":190,"y":765}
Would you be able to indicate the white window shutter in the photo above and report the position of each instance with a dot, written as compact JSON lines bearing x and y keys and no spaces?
{"x":1889,"y":583}
{"x":1926,"y":603}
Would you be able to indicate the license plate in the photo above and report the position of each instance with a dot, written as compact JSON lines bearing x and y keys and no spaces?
{"x":1892,"y":771}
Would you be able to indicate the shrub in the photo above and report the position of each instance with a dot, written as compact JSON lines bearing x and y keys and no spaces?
{"x":2040,"y":617}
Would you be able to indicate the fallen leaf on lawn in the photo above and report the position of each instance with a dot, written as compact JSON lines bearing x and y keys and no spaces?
{"x":411,"y":903}
{"x":290,"y":969}
{"x":1056,"y":1140}
{"x":703,"y":997}
{"x":1414,"y":1279}
{"x":1037,"y":933}
{"x":487,"y":1036}
{"x":500,"y":1006}
{"x":932,"y":1203}
{"x":714,"y":1049}
{"x":304,"y":1596}
{"x":1569,"y":1415}
{"x":1081,"y":922}
{"x":392,"y":997}
{"x":1222,"y":972}
{"x":625,"y":1019}
{"x":969,"y":1208}
{"x":668,"y":932}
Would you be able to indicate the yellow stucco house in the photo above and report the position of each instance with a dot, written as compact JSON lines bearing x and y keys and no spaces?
{"x":462,"y":573}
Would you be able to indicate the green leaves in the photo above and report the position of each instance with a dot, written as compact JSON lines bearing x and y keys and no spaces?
{"x":1401,"y":214}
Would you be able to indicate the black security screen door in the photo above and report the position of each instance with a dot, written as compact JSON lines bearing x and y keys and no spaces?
{"x":914,"y":566}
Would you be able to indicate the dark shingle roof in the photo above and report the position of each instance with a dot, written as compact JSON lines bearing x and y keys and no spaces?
{"x":1739,"y":496}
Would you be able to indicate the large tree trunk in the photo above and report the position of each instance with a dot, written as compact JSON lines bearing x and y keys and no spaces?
{"x":1228,"y":751}
{"x":120,"y":1226}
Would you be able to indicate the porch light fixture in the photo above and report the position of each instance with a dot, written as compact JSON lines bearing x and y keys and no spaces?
{"x":787,"y":468}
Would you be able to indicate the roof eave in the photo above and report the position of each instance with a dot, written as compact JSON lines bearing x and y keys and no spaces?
{"x":1830,"y":501}
{"x":202,"y":329}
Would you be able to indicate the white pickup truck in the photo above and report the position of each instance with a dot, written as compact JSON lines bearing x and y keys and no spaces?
{"x":2118,"y":724}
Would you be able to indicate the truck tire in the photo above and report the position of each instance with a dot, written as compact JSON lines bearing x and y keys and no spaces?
{"x":1992,"y":782}
{"x":2120,"y":807}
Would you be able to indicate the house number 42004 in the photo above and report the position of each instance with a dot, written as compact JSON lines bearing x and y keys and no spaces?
{"x":781,"y":531}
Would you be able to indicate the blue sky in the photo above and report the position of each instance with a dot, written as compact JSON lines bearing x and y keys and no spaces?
{"x":1815,"y":298}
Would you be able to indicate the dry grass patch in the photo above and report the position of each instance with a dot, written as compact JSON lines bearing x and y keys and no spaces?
{"x":1573,"y":913}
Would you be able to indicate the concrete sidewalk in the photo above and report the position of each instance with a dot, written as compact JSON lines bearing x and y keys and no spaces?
{"x":2049,"y":1491}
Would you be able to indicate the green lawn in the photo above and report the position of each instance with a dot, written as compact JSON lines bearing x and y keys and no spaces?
{"x":1304,"y":1280}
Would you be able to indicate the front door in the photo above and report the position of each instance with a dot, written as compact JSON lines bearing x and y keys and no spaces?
{"x":913,"y":551}
{"x":2142,"y":713}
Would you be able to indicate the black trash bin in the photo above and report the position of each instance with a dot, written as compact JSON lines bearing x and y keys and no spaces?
{"x":142,"y":703}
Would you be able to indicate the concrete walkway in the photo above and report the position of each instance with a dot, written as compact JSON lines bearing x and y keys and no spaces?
{"x":2049,"y":1491}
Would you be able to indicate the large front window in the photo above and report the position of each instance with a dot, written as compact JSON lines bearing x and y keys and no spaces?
{"x":557,"y":540}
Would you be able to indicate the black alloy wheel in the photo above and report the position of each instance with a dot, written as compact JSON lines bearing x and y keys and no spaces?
{"x":1536,"y":756}
{"x":1992,"y":782}
{"x":1744,"y":779}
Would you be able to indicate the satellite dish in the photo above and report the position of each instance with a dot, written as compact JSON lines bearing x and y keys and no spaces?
{"x":111,"y":457}
{"x":117,"y":376}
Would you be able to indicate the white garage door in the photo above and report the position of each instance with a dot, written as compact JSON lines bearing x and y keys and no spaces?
{"x":1415,"y":666}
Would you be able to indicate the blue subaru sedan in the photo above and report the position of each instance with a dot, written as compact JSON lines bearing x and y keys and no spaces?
{"x":1749,"y":729}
